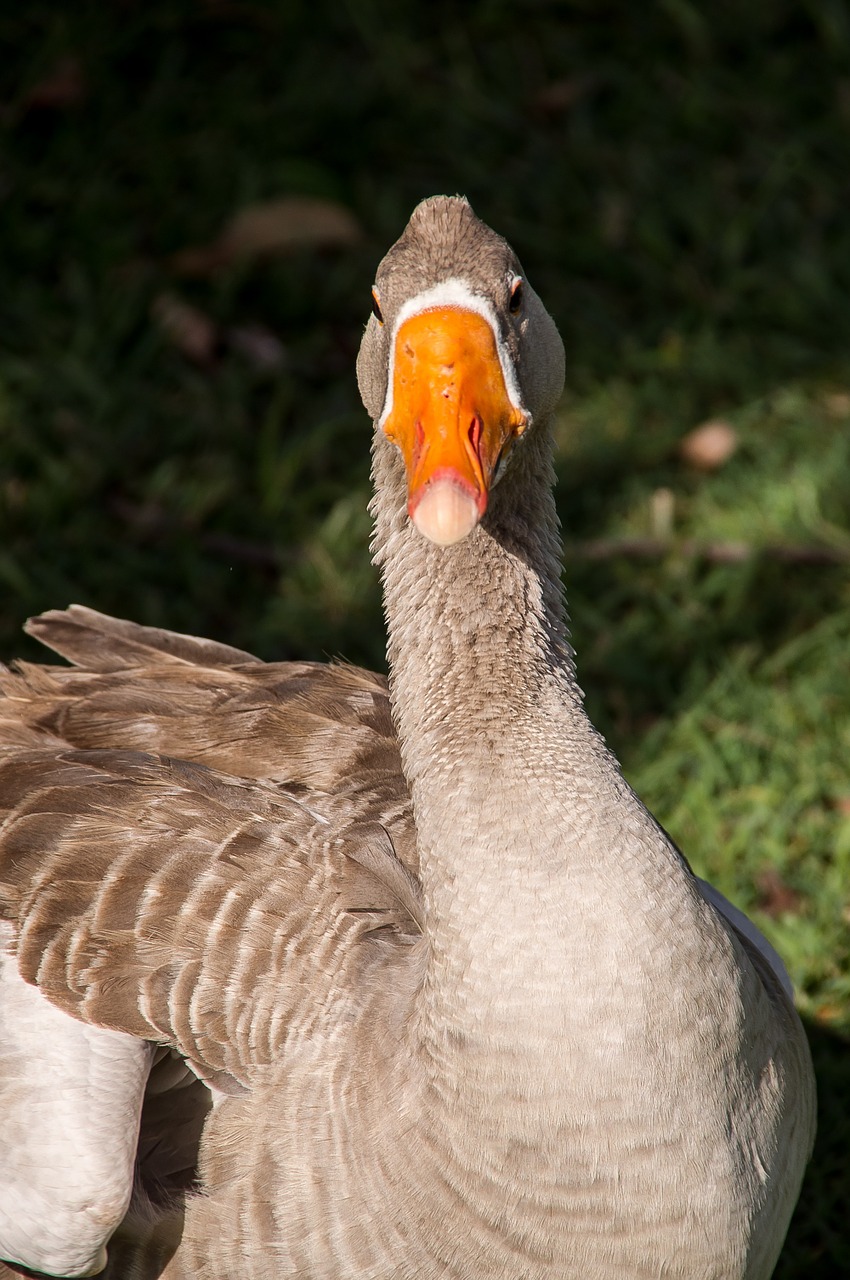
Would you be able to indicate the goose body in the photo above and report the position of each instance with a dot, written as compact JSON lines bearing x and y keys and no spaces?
{"x":430,"y":987}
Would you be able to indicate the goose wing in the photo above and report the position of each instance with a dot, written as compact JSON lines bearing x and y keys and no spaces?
{"x":320,"y":728}
{"x":166,"y":900}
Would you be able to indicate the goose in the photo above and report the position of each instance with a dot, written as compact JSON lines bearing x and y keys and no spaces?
{"x":307,"y":975}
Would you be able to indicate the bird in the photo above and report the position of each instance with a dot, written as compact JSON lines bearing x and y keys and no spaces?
{"x":310,"y":973}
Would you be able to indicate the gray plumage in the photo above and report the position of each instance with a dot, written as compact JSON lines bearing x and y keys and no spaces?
{"x":464,"y":1010}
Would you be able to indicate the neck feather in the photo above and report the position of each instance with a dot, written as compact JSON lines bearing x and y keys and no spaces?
{"x":536,"y":857}
{"x":494,"y":737}
{"x":476,"y":630}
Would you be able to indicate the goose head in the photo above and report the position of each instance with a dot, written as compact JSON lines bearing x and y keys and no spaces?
{"x":459,"y":364}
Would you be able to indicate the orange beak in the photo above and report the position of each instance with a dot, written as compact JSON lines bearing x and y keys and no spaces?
{"x":451,"y":417}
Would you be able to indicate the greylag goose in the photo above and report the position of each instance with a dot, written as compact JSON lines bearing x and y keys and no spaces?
{"x":433,"y":992}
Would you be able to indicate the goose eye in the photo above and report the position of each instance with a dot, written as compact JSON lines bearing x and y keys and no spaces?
{"x":515,"y":303}
{"x":376,"y":307}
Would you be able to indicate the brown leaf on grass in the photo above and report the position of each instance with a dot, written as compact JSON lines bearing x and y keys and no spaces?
{"x":662,"y":512}
{"x":260,"y":347}
{"x":775,"y":897}
{"x":710,"y":446}
{"x":837,"y":404}
{"x":187,"y":328}
{"x":15,"y":494}
{"x":556,"y":97}
{"x":64,"y":86}
{"x":830,"y":1014}
{"x":614,"y":216}
{"x":272,"y":228}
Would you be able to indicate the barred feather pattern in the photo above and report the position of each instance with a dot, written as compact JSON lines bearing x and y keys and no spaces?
{"x":159,"y":894}
{"x":168,"y":863}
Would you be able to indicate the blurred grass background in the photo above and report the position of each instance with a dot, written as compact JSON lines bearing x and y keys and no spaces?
{"x":181,"y":439}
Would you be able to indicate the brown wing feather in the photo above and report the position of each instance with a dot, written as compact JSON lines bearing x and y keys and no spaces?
{"x":324,"y":728}
{"x":165,"y":900}
{"x":101,"y":643}
{"x":157,"y":892}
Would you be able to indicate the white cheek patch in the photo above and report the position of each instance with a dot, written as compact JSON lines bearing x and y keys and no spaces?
{"x":453,"y":293}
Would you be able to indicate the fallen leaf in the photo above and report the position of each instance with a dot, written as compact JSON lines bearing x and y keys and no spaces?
{"x":558,"y":96}
{"x":64,"y":86}
{"x":829,"y":1013}
{"x":66,"y":421}
{"x":187,"y":328}
{"x":260,"y":347}
{"x":837,"y":404}
{"x":710,"y":446}
{"x":274,"y":227}
{"x":775,"y":897}
{"x":614,"y":218}
{"x":15,"y":493}
{"x":662,"y":511}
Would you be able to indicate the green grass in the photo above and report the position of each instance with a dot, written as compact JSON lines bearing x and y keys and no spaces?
{"x":674,"y":178}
